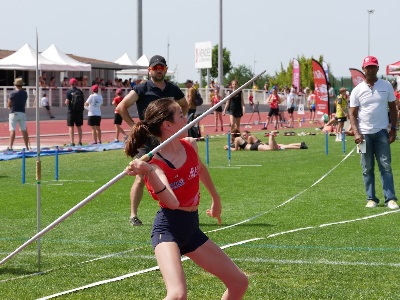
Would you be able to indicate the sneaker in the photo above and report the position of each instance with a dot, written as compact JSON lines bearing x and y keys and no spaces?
{"x":303,"y":146}
{"x":79,"y":144}
{"x":372,"y":203}
{"x":72,"y":144}
{"x":392,"y":204}
{"x":116,"y":141}
{"x":134,"y":221}
{"x":52,"y":117}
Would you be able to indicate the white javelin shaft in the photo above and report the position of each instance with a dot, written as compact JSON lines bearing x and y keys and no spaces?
{"x":121,"y":175}
{"x":203,"y":115}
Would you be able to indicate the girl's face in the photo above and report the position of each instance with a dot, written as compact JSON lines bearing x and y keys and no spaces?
{"x":179,"y":121}
{"x":234,"y":84}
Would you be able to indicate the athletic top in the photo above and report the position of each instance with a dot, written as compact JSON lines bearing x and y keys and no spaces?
{"x":341,"y":103}
{"x":148,"y":92}
{"x":95,"y":101}
{"x":275,"y":101}
{"x":184,"y":181}
{"x":243,"y":146}
{"x":116,"y":101}
{"x":372,"y":105}
{"x":18,"y":100}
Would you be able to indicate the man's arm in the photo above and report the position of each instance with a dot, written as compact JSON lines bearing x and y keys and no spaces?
{"x":183,"y":104}
{"x":123,"y":106}
{"x":9,"y":103}
{"x":358,"y":138}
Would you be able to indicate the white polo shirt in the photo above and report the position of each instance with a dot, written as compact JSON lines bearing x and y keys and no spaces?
{"x":372,"y":105}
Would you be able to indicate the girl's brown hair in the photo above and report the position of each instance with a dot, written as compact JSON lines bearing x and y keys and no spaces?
{"x":156,"y":113}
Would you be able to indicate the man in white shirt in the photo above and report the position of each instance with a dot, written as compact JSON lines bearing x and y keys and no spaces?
{"x":369,"y":102}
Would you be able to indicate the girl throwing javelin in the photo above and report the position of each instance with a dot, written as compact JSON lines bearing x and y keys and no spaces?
{"x":172,"y":177}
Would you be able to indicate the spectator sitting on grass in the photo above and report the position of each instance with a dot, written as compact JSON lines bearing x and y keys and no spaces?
{"x":246,"y":141}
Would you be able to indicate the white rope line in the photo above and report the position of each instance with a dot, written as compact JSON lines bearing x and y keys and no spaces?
{"x":131,"y":274}
{"x":287,"y":201}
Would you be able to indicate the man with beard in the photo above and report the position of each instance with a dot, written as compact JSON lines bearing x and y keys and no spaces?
{"x":142,"y":94}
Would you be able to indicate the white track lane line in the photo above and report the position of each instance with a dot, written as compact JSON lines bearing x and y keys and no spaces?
{"x":132,"y":274}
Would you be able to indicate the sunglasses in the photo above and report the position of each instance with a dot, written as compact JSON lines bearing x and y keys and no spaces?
{"x":158,"y":68}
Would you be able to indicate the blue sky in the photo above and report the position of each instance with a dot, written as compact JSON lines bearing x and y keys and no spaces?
{"x":259,"y":33}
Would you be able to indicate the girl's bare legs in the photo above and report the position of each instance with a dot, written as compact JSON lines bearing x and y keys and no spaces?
{"x":169,"y":261}
{"x":213,"y":260}
{"x":219,"y":114}
{"x":118,"y":130}
{"x":272,"y":143}
{"x":291,"y":146}
{"x":216,"y":120}
{"x":94,"y":133}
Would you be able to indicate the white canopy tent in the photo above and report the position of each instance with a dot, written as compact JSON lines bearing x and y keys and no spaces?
{"x":70,"y":64}
{"x":138,"y":69}
{"x":25,"y":59}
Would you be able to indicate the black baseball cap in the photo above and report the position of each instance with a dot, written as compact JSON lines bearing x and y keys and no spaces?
{"x":157,"y":60}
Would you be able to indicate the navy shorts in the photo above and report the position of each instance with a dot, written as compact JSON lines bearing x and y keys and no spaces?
{"x":178,"y":226}
{"x":273,"y":112}
{"x":75,"y":118}
{"x":94,"y":120}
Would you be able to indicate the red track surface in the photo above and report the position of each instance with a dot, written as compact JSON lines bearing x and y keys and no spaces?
{"x":55,"y":132}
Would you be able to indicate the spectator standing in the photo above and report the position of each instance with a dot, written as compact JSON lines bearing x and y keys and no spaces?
{"x":93,"y":105}
{"x":290,"y":97}
{"x":16,"y":103}
{"x":341,"y":112}
{"x":273,"y":100}
{"x":52,"y":82}
{"x":64,"y":83}
{"x":117,"y":117}
{"x":143,"y":94}
{"x":191,"y":95}
{"x":369,"y":101}
{"x":215,"y":99}
{"x":75,"y":114}
{"x":176,"y":229}
{"x":235,"y":106}
{"x":310,"y":96}
{"x":46,"y":105}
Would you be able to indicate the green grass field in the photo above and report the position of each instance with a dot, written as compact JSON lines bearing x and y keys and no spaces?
{"x":314,"y":237}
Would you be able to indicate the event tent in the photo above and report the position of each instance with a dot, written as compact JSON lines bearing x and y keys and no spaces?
{"x":25,"y":59}
{"x":70,"y":64}
{"x":138,"y":69}
{"x":393,"y":69}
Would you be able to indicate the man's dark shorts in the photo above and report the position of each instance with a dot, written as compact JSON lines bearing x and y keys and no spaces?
{"x":94,"y":120}
{"x":75,"y":118}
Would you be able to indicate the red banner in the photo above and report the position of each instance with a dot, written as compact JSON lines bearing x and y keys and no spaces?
{"x":321,"y":89}
{"x":296,"y":74}
{"x":356,"y":76}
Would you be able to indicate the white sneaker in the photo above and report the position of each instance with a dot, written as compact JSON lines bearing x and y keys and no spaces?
{"x":392,"y":204}
{"x":372,"y":203}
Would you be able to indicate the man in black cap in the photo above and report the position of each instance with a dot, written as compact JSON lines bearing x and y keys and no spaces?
{"x":142,"y":94}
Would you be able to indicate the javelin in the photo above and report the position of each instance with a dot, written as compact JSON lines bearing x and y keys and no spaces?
{"x":122,"y":174}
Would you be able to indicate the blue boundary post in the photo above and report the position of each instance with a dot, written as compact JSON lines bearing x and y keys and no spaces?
{"x":326,"y":142}
{"x":23,"y":166}
{"x":207,"y":153}
{"x":344,"y":141}
{"x":56,"y":164}
{"x":229,"y":148}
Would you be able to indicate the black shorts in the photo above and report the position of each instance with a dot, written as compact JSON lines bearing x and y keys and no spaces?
{"x":117,"y":119}
{"x":75,"y":118}
{"x":47,"y":107}
{"x":273,"y":112}
{"x":254,"y":147}
{"x":94,"y":120}
{"x":219,"y":108}
{"x":150,"y":144}
{"x":178,"y":226}
{"x":290,"y":110}
{"x":343,"y":119}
